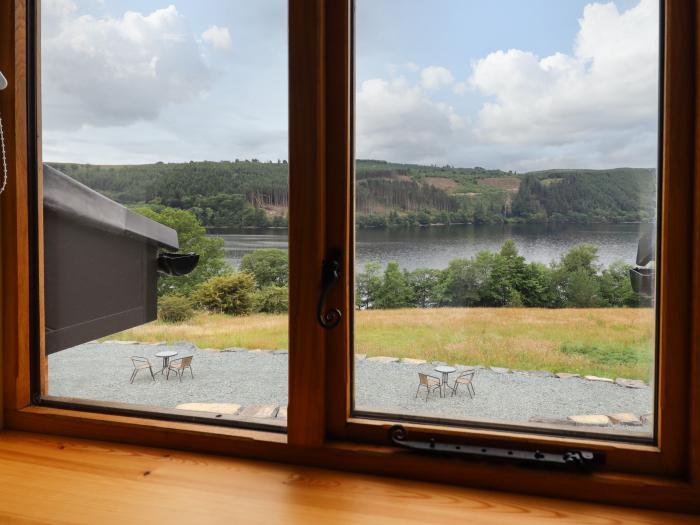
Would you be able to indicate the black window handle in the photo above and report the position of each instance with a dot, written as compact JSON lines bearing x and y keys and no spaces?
{"x":330,"y":274}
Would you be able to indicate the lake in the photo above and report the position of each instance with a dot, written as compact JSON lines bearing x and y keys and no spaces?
{"x":434,"y":247}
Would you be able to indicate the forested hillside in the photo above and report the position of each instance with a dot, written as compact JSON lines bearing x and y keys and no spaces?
{"x":250,"y":193}
{"x":221,"y":194}
{"x":620,"y":195}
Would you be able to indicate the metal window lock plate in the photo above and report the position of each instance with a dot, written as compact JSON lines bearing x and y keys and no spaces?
{"x":583,"y":460}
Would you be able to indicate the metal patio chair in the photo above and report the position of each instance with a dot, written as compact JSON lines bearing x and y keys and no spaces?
{"x":179,"y":366}
{"x":430,"y":383}
{"x":466,"y":378}
{"x":140,"y":363}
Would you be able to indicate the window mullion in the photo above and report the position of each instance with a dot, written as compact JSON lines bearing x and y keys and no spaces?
{"x":306,"y":416}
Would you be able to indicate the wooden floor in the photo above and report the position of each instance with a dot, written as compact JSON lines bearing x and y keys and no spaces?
{"x":55,"y":480}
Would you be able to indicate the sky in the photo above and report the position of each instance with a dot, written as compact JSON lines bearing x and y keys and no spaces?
{"x":510,"y":84}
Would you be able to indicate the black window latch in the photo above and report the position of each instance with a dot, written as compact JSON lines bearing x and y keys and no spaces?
{"x":583,"y":460}
{"x":330,"y":274}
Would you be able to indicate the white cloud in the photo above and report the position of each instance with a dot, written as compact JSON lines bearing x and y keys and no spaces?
{"x":116,"y":71}
{"x":436,"y":77}
{"x":396,"y":120}
{"x":595,"y":107}
{"x":609,"y":85}
{"x":139,"y":80}
{"x":219,"y":37}
{"x":53,"y":12}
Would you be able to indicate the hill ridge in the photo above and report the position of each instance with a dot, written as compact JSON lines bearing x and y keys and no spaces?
{"x":250,"y":193}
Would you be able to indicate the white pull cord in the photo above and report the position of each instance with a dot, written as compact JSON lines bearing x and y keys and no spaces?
{"x":4,"y":160}
{"x":3,"y":85}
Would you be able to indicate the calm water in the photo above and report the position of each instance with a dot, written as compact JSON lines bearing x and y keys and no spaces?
{"x":434,"y":247}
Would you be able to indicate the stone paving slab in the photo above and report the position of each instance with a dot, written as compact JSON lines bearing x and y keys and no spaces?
{"x":566,"y":375}
{"x":411,"y":361}
{"x":625,"y":418}
{"x":596,"y":378}
{"x":259,"y":411}
{"x":382,"y":359}
{"x":219,"y":408}
{"x":591,"y":420}
{"x":630,"y":383}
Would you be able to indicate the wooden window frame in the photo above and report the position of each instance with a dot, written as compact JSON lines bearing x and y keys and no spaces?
{"x":667,"y":454}
{"x":321,"y":430}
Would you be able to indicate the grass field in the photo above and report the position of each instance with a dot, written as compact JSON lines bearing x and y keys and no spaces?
{"x":612,"y":342}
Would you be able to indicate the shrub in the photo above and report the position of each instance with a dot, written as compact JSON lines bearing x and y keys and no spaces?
{"x":174,"y":309}
{"x":272,"y":300}
{"x":229,"y":294}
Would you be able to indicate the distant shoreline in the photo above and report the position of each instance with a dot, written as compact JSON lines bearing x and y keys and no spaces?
{"x":224,"y":230}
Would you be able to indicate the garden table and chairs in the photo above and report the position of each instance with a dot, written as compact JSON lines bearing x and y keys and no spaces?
{"x":166,"y":355}
{"x":178,"y":366}
{"x":432,"y":383}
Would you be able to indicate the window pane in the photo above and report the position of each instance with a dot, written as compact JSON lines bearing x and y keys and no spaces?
{"x":506,"y":212}
{"x":165,"y":132}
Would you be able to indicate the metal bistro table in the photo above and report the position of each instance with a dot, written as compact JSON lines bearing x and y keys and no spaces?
{"x":445,"y":371}
{"x":166,"y":355}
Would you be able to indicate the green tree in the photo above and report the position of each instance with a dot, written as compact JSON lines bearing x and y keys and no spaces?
{"x":509,"y":249}
{"x":582,"y":290}
{"x":367,"y":284}
{"x":462,"y":283}
{"x":506,"y":284}
{"x":192,"y":238}
{"x":426,"y":285}
{"x":255,"y":217}
{"x":269,"y":266}
{"x":536,"y":287}
{"x":576,"y":277}
{"x":526,"y":202}
{"x":582,"y":257}
{"x":615,"y":286}
{"x":394,"y":291}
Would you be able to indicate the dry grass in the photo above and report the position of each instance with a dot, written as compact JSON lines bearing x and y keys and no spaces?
{"x":511,"y":184}
{"x":216,"y":331}
{"x":608,"y":342}
{"x":442,"y":183}
{"x":615,"y":342}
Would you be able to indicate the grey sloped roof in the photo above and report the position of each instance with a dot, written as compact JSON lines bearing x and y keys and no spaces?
{"x":70,"y":198}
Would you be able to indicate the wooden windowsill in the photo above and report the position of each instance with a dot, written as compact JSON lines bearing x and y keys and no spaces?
{"x":50,"y":479}
{"x":134,"y":425}
{"x":668,"y":493}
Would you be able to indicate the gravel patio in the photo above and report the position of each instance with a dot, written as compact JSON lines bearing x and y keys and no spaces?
{"x":256,"y":380}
